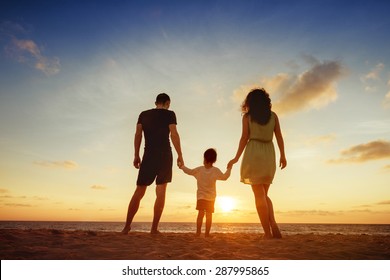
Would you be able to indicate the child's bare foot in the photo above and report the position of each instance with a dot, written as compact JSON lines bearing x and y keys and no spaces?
{"x":126,"y":230}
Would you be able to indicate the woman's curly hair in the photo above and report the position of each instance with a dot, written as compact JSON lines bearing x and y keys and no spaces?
{"x":258,"y":105}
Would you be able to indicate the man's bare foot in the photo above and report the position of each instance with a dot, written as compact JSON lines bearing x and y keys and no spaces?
{"x":126,"y":230}
{"x":155,"y":232}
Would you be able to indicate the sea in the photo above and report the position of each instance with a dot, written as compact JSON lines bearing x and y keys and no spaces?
{"x":182,"y":227}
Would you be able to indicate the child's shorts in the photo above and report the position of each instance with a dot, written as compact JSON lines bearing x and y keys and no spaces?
{"x":205,"y":205}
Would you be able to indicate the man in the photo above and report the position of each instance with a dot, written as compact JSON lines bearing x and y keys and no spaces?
{"x":157,"y":125}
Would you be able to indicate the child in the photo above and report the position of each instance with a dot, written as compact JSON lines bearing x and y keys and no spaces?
{"x":206,"y":177}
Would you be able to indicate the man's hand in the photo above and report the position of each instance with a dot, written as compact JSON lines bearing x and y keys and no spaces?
{"x":137,"y":162}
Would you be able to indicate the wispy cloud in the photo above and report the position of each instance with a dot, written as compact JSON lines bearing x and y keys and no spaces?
{"x":374,"y":150}
{"x":66,"y":164}
{"x":4,"y":191}
{"x":385,"y":202}
{"x":374,"y":73}
{"x":321,"y":139}
{"x":386,"y":101}
{"x":18,"y":205}
{"x":310,"y":213}
{"x":99,"y":188}
{"x":26,"y":50}
{"x":313,"y":89}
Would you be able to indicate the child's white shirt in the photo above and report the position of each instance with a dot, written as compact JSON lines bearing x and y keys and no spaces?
{"x":206,"y":180}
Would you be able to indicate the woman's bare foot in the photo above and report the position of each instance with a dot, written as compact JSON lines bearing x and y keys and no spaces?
{"x":275,"y":231}
{"x":267,"y":236}
{"x":126,"y":230}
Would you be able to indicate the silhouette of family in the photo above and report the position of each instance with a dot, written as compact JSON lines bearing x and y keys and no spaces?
{"x":258,"y":166}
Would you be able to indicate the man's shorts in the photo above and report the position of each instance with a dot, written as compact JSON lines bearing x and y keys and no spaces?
{"x":205,"y":205}
{"x":156,"y":165}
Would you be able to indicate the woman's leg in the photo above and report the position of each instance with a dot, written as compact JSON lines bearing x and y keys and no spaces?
{"x":262,"y":208}
{"x":274,"y":226}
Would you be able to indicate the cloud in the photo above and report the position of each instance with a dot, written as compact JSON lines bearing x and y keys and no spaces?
{"x":385,"y":202}
{"x":18,"y":205}
{"x":374,"y":74}
{"x":4,"y":191}
{"x":386,"y":101}
{"x":26,"y":50}
{"x":321,"y":139}
{"x":99,"y":188}
{"x":312,"y":89}
{"x":310,"y":213}
{"x":374,"y":150}
{"x":66,"y":164}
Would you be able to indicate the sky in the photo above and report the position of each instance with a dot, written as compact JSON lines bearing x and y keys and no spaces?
{"x":74,"y":76}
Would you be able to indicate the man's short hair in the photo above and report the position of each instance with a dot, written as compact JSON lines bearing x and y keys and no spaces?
{"x":210,"y":155}
{"x":162,"y":98}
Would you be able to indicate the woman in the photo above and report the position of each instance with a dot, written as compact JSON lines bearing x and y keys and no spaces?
{"x":258,"y":165}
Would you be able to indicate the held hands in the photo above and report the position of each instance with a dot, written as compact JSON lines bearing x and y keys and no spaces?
{"x":231,"y":163}
{"x":180,"y":162}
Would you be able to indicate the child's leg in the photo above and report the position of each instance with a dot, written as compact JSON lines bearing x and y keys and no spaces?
{"x":199,"y":222}
{"x":209,"y":220}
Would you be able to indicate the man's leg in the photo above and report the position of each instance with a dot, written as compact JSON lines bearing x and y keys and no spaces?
{"x":158,"y":206}
{"x":133,"y":207}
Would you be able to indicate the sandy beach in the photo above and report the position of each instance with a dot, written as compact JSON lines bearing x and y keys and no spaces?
{"x":46,"y":244}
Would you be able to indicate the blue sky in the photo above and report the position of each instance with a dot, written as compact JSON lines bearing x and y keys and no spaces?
{"x":74,"y":77}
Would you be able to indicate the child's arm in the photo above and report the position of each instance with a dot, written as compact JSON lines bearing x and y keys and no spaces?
{"x":226,"y":175}
{"x":188,"y":170}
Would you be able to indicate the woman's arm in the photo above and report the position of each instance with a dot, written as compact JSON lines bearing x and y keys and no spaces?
{"x":243,"y":141}
{"x":279,"y":140}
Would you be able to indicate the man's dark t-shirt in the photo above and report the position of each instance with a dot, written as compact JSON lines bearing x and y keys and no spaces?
{"x":155,"y":124}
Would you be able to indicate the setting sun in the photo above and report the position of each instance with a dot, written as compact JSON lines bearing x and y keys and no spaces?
{"x":226,"y":203}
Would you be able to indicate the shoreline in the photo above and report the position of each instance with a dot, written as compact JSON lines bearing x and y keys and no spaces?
{"x":53,"y":244}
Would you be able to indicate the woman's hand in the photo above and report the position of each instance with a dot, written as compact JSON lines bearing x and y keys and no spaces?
{"x":282,"y":162}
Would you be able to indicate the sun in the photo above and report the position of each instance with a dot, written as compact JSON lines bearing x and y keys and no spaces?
{"x":226,"y":203}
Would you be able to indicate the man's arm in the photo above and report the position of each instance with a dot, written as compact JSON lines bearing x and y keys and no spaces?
{"x":176,"y":143}
{"x":137,"y":145}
